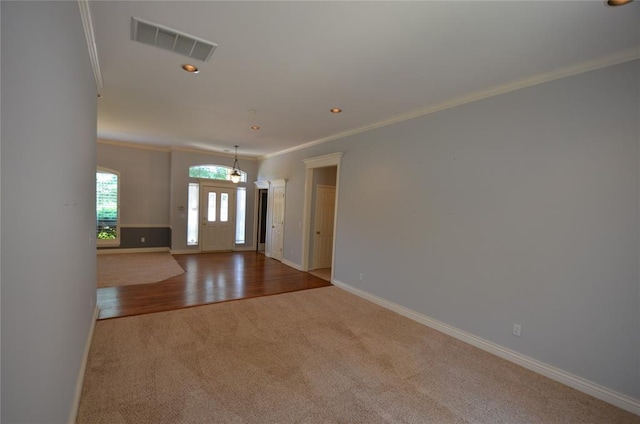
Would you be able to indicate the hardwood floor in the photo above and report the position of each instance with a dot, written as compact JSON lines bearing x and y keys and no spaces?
{"x":208,"y":278}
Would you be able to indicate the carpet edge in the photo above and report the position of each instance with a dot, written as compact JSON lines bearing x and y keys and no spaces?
{"x":583,"y":385}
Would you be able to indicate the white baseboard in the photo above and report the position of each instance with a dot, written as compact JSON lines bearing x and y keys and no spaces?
{"x":291,"y":264}
{"x":593,"y":389}
{"x":132,"y":250}
{"x":83,"y":367}
{"x":244,"y":249}
{"x":185,"y":252}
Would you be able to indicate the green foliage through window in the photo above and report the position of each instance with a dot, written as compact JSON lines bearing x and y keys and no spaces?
{"x":106,"y":206}
{"x":214,"y":172}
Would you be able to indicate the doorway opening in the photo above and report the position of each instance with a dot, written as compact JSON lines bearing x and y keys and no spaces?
{"x":261,"y":236}
{"x":320,"y":215}
{"x":323,"y":200}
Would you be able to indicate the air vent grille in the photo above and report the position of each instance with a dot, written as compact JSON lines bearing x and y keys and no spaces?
{"x":172,"y":40}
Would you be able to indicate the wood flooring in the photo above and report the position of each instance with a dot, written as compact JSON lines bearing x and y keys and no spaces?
{"x":208,"y":278}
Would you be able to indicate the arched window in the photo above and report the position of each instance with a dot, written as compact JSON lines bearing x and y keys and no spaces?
{"x":215,"y":172}
{"x":107,"y":207}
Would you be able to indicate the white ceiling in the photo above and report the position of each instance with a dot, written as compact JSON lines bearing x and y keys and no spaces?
{"x":291,"y":62}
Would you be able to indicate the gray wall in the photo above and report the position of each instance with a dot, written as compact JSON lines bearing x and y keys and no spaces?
{"x":521,"y":208}
{"x":48,"y":208}
{"x":144,"y":193}
{"x":180,"y":163}
{"x":154,"y":184}
{"x":144,"y":183}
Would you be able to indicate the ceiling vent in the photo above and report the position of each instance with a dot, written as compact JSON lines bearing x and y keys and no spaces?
{"x":172,"y":40}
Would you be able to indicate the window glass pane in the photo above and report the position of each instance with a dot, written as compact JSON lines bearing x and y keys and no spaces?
{"x":192,"y":215}
{"x":241,"y":204}
{"x":214,"y":172}
{"x":211,"y":213}
{"x":106,"y":206}
{"x":224,"y":207}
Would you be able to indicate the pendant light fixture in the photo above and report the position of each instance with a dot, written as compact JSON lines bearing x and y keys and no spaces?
{"x":235,"y":174}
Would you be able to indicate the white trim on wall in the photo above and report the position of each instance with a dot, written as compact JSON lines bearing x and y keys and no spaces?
{"x":590,"y":65}
{"x":242,"y":248}
{"x":83,"y":367}
{"x":184,"y":252}
{"x":332,"y":159}
{"x":593,"y":389}
{"x":87,"y":25}
{"x":132,"y":145}
{"x":291,"y":264}
{"x":144,"y":226}
{"x":133,"y":250}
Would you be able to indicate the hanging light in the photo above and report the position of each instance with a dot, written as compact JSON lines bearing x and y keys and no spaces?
{"x":235,"y":175}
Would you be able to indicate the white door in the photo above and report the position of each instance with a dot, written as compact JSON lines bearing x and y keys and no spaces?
{"x":323,"y":235}
{"x":277,"y":223}
{"x":218,"y":218}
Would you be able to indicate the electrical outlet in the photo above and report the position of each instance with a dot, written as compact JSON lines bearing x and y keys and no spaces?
{"x":517,"y":330}
{"x":142,"y":239}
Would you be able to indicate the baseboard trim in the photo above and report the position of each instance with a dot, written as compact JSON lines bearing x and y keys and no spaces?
{"x":83,"y":367}
{"x":593,"y":389}
{"x":184,"y":252}
{"x":291,"y":264}
{"x":244,"y":249}
{"x":133,"y":250}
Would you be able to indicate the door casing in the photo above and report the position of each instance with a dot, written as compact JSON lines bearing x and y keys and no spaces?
{"x":332,"y":159}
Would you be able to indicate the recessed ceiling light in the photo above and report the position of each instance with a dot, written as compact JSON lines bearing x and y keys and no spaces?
{"x":336,"y":110}
{"x":255,"y":127}
{"x":190,"y":68}
{"x":618,"y":2}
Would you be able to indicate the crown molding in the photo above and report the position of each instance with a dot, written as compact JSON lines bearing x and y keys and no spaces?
{"x":211,"y":152}
{"x":134,"y":145}
{"x":567,"y":71}
{"x":169,"y":149}
{"x":87,"y":24}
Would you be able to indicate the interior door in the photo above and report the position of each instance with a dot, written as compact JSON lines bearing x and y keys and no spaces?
{"x":277,"y":223}
{"x":323,"y":235}
{"x":218,"y":218}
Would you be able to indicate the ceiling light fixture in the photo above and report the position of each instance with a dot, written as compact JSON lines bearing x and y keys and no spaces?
{"x":618,"y":2}
{"x":336,"y":110}
{"x":190,"y":68}
{"x":252,"y":120}
{"x":235,"y":174}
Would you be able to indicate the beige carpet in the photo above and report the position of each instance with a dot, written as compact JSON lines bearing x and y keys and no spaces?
{"x":125,"y":269}
{"x":314,"y":356}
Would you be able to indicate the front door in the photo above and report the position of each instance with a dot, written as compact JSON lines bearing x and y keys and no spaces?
{"x":324,"y":217}
{"x":218,"y":218}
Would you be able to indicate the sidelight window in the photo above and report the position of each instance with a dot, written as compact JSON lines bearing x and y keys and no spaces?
{"x":107,"y":208}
